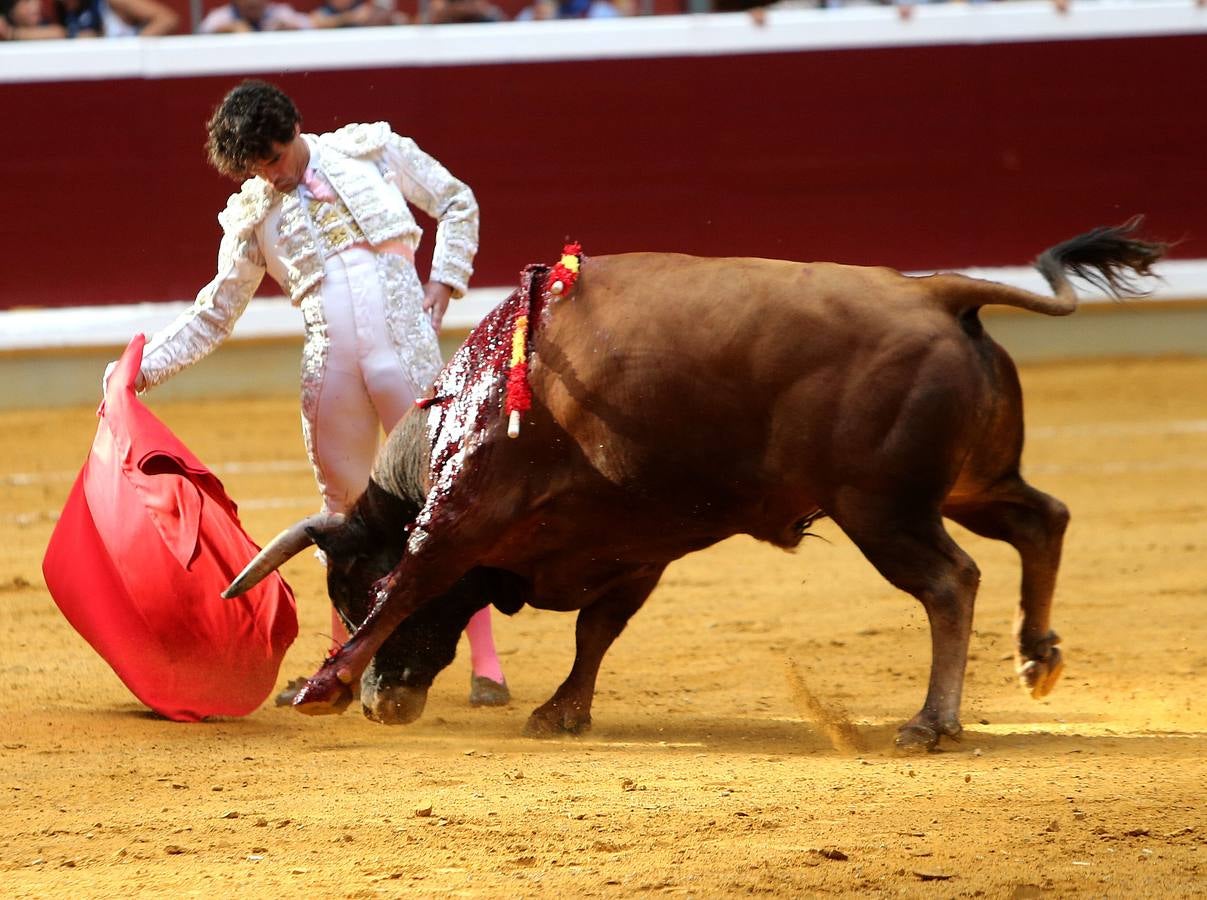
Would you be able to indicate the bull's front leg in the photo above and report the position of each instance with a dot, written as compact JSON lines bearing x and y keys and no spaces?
{"x":569,"y":709}
{"x":419,"y":577}
{"x":329,"y":691}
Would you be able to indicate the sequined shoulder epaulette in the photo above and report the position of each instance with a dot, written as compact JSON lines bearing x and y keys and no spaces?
{"x":245,"y":210}
{"x":359,"y":139}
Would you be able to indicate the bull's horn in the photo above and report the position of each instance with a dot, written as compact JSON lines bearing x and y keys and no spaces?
{"x":286,"y":545}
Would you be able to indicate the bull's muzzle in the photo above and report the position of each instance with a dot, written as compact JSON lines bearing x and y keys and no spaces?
{"x":395,"y":704}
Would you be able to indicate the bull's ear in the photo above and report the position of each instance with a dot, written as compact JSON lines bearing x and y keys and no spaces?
{"x":324,"y":539}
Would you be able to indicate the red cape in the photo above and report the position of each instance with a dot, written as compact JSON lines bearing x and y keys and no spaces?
{"x":147,"y":541}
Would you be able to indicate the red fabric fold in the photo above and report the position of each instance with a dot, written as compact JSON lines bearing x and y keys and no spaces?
{"x":147,"y":540}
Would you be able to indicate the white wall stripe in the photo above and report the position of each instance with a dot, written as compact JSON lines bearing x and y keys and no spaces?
{"x":266,"y":317}
{"x":785,"y":30}
{"x":275,"y":318}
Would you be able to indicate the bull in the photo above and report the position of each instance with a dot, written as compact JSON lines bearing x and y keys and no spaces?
{"x":676,"y":401}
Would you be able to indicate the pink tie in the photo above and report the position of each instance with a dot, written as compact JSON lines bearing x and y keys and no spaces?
{"x":318,"y":187}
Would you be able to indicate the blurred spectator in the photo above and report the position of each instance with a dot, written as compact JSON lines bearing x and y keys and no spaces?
{"x":22,"y":20}
{"x":356,"y":13}
{"x":455,"y":12}
{"x":253,"y":15}
{"x":114,"y":18}
{"x":568,"y":9}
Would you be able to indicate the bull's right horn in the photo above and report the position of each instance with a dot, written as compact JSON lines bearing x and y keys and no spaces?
{"x":286,"y":545}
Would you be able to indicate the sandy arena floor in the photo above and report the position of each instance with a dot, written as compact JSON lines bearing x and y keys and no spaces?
{"x":705,"y":775}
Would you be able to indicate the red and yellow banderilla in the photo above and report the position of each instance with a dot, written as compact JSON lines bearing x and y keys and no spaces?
{"x":519,"y":393}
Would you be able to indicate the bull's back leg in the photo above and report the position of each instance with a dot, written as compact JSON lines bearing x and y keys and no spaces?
{"x":909,"y":546}
{"x":598,"y":626}
{"x":1034,"y":524}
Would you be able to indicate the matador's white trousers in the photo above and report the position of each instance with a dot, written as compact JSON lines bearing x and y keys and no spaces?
{"x":370,"y":352}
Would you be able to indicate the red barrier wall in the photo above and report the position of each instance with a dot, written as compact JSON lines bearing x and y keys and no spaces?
{"x":911,"y":157}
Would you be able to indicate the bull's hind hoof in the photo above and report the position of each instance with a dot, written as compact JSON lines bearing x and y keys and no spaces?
{"x":1039,"y":676}
{"x":914,"y":738}
{"x":550,"y":721}
{"x":920,"y":736}
{"x":485,"y":691}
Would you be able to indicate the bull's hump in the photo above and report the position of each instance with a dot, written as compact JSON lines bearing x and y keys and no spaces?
{"x":401,"y":466}
{"x":639,"y":280}
{"x":651,"y":263}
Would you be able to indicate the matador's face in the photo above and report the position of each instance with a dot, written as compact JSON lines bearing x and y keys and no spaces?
{"x":285,"y":164}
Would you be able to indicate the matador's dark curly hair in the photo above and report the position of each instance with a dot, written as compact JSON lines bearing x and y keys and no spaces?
{"x":245,"y":125}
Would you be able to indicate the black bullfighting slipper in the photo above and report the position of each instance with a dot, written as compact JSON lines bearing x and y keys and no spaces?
{"x":485,"y":691}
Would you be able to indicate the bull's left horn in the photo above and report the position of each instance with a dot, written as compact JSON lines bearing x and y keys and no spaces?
{"x":286,"y":545}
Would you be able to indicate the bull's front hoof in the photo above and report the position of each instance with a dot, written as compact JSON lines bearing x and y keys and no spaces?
{"x":394,"y":705}
{"x":290,"y":691}
{"x":551,"y":721}
{"x":1039,"y":676}
{"x":323,"y":695}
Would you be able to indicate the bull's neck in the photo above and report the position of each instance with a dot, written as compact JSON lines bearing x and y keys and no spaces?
{"x":401,"y":467}
{"x":385,"y":512}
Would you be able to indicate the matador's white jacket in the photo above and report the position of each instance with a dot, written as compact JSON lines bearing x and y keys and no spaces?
{"x":375,"y":172}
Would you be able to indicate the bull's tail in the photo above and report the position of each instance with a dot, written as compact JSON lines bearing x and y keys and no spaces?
{"x":1108,"y":257}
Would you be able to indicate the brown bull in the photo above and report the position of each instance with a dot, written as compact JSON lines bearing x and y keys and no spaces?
{"x":678,"y":401}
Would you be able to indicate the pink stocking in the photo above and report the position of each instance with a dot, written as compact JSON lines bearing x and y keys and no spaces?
{"x":482,"y":652}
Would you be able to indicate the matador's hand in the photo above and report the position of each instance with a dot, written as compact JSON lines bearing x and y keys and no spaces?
{"x":435,"y":302}
{"x":140,"y":383}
